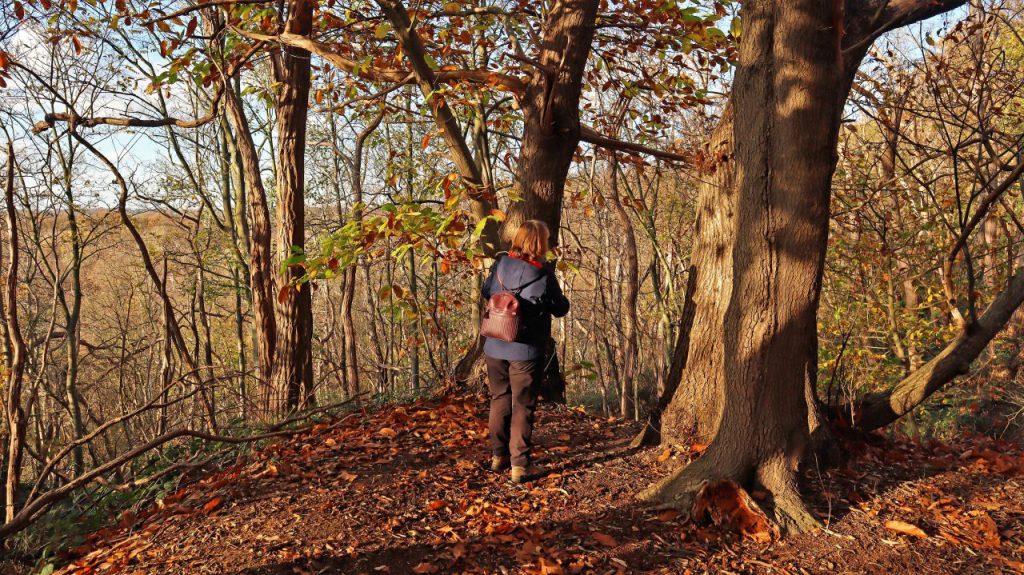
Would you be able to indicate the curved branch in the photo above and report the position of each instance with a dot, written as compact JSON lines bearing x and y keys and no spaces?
{"x":590,"y":135}
{"x":52,"y":118}
{"x":486,"y":77}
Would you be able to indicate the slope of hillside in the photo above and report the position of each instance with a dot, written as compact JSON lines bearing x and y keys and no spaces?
{"x":403,"y":490}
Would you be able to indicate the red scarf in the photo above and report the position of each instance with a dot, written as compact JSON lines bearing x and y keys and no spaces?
{"x":531,"y":262}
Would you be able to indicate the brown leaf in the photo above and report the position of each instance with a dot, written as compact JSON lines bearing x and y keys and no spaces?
{"x":664,"y":456}
{"x":387,"y":432}
{"x":605,"y":539}
{"x":905,"y":528}
{"x":435,"y":505}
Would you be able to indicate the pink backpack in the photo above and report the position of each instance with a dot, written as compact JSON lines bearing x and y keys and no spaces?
{"x":502,"y":314}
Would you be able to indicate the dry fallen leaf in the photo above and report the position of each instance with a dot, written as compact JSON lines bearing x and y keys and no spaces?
{"x":664,"y":456}
{"x":605,"y":539}
{"x":668,"y":515}
{"x":212,"y":504}
{"x":905,"y":528}
{"x":425,"y":567}
{"x":387,"y":432}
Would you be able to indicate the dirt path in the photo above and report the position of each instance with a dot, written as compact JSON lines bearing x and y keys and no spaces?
{"x":403,"y":491}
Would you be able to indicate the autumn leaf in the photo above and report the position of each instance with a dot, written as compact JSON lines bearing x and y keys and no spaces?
{"x":549,"y":567}
{"x":435,"y":505}
{"x":605,"y":539}
{"x":425,"y":567}
{"x":664,"y":456}
{"x":905,"y":528}
{"x":212,"y":504}
{"x":668,"y":515}
{"x":282,"y":295}
{"x":426,"y":141}
{"x":387,"y":432}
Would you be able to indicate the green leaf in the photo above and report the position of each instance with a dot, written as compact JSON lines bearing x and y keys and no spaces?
{"x":382,"y":30}
{"x":430,"y":61}
{"x":736,"y":27}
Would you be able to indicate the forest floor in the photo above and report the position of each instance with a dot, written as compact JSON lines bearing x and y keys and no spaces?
{"x":403,"y":490}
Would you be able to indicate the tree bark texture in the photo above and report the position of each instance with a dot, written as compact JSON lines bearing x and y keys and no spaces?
{"x":261,"y":273}
{"x":551,"y":115}
{"x":771,"y":236}
{"x":293,"y":364}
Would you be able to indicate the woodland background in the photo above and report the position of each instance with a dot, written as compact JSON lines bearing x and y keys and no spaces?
{"x":121,"y":352}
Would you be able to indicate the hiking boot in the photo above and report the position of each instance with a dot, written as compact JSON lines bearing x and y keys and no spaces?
{"x":529,"y":473}
{"x":500,"y":463}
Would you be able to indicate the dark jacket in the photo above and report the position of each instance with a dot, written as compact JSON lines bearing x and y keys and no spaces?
{"x":540,"y":300}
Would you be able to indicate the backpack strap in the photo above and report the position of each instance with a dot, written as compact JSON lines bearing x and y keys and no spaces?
{"x":516,"y":291}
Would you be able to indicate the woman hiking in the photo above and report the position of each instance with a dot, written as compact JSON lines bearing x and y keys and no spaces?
{"x":515,"y":368}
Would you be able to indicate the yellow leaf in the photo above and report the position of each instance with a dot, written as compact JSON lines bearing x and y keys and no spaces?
{"x":905,"y":528}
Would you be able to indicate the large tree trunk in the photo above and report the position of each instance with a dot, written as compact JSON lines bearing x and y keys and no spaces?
{"x":786,"y":102}
{"x":551,"y":115}
{"x":692,"y":413}
{"x":293,"y":365}
{"x":759,"y":254}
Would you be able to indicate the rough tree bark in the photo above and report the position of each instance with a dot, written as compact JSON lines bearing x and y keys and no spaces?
{"x":759,"y":253}
{"x":261,"y":272}
{"x":551,"y":115}
{"x":293,"y":362}
{"x":785,"y":121}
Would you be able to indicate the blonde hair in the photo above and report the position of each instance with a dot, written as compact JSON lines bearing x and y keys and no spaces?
{"x":531,"y":240}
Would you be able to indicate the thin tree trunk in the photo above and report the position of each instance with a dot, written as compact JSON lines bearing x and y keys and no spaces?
{"x":631,"y":282}
{"x":16,"y":366}
{"x":261,"y":274}
{"x":348,"y":294}
{"x":293,"y":365}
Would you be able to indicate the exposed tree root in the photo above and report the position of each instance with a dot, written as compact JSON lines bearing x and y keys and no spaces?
{"x":706,"y":489}
{"x":649,"y":435}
